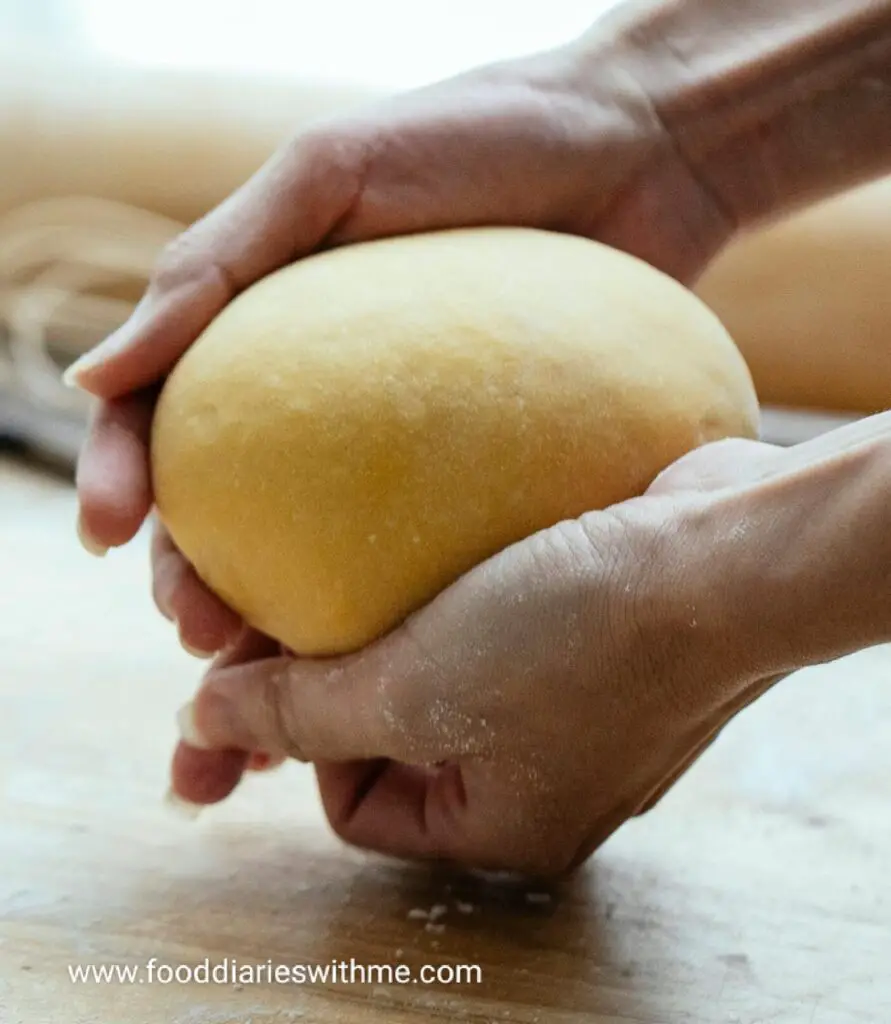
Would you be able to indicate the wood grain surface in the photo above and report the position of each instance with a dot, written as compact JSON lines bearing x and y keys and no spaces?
{"x":756,"y":892}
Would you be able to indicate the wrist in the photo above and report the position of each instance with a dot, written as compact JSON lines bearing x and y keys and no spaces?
{"x":791,"y":570}
{"x":643,"y":194}
{"x":770,"y":106}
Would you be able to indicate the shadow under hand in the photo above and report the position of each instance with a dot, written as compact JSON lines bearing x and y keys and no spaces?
{"x":473,"y":947}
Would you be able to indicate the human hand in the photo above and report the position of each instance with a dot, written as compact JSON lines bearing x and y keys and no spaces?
{"x":565,"y":140}
{"x":520,"y":718}
{"x":564,"y":685}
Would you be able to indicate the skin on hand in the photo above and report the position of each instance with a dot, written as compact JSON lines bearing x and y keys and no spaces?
{"x":565,"y":685}
{"x":519,"y":719}
{"x":553,"y":141}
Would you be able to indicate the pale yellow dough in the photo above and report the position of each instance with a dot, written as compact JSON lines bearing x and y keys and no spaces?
{"x":356,"y":431}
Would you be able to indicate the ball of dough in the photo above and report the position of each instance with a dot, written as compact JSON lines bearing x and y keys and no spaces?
{"x":355,"y":431}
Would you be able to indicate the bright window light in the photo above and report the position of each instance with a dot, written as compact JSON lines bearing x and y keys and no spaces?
{"x":390,"y":43}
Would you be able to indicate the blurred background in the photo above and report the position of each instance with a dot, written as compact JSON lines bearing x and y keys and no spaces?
{"x":122,"y":122}
{"x":390,"y":44}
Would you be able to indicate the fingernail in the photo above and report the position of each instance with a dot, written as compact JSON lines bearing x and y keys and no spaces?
{"x":86,"y":362}
{"x":69,"y":377}
{"x":188,"y":730}
{"x":114,"y":343}
{"x":262,"y":762}
{"x":181,"y":807}
{"x":88,"y":542}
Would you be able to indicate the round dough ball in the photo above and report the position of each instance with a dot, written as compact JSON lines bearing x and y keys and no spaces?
{"x":355,"y":431}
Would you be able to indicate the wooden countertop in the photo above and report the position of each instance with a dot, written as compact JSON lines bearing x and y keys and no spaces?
{"x":755,"y":892}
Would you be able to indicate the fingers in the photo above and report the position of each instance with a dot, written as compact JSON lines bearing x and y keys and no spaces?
{"x":205,"y":623}
{"x":201,"y":776}
{"x":841,"y":441}
{"x":388,"y":701}
{"x":113,"y":479}
{"x":169,"y":317}
{"x":306,"y":710}
{"x":738,"y":460}
{"x":400,"y":770}
{"x":206,"y":776}
{"x":284,"y":211}
{"x":446,"y":813}
{"x":717,"y":465}
{"x":401,"y":810}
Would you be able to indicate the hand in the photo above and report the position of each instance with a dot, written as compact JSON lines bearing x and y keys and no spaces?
{"x":564,"y":685}
{"x":565,"y":140}
{"x":519,"y":719}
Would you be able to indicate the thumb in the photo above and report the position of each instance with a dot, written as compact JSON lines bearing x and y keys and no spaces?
{"x":373,"y":704}
{"x":717,"y":465}
{"x":280,"y":214}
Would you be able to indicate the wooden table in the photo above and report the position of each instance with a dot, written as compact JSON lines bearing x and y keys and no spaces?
{"x":756,"y":892}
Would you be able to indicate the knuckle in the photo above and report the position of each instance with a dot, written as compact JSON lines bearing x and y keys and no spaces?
{"x":337,"y":142}
{"x":281,"y":722}
{"x":337,"y":157}
{"x":342,"y":824}
{"x":536,"y":833}
{"x":532,"y":852}
{"x":180,"y":260}
{"x":554,"y":860}
{"x":554,"y":850}
{"x":316,"y":141}
{"x":188,"y":259}
{"x":325,"y":147}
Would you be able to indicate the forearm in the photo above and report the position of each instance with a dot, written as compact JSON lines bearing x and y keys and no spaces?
{"x":772,"y":103}
{"x":797,"y":564}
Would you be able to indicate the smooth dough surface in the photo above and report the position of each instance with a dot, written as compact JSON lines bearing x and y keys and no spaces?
{"x":357,"y":430}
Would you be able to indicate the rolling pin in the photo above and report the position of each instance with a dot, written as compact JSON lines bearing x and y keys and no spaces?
{"x":103,"y":163}
{"x":175,"y":142}
{"x":808,"y":301}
